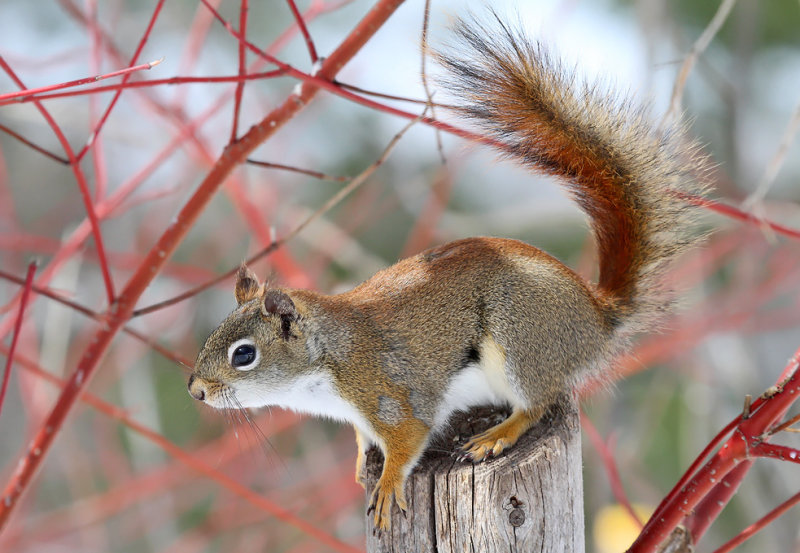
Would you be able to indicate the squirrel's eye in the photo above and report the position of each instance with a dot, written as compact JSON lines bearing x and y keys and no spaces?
{"x":243,"y":356}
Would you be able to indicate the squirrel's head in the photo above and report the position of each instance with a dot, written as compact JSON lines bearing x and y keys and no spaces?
{"x":257,"y":351}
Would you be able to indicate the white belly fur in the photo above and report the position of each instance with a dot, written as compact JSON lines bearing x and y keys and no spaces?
{"x":482,"y":383}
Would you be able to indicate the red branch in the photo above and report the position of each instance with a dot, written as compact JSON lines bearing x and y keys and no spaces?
{"x":113,"y":102}
{"x":80,"y":177}
{"x":701,"y":494}
{"x":751,"y":530}
{"x":312,"y":51}
{"x":736,"y":213}
{"x":26,"y":291}
{"x":166,"y":352}
{"x":120,"y":312}
{"x":611,"y":468}
{"x":237,"y":97}
{"x":21,"y":95}
{"x":30,"y":144}
{"x":157,"y":82}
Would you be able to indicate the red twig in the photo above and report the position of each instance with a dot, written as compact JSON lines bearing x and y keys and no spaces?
{"x":167,"y":353}
{"x":422,"y":233}
{"x":158,"y":82}
{"x":83,"y":186}
{"x":237,"y":97}
{"x":232,"y":156}
{"x":113,"y":102}
{"x":700,"y":498}
{"x":312,"y":51}
{"x":709,"y":508}
{"x":22,"y":95}
{"x":98,"y":155}
{"x":776,"y":451}
{"x":759,"y":525}
{"x":198,"y":31}
{"x":611,"y":468}
{"x":30,"y":144}
{"x":736,"y":213}
{"x":669,"y":499}
{"x":26,"y":291}
{"x":319,"y":80}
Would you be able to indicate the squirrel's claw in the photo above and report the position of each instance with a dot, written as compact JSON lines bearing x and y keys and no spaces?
{"x":381,"y":504}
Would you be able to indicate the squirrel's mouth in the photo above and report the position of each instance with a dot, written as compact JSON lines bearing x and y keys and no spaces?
{"x":215,"y":394}
{"x":223,"y":396}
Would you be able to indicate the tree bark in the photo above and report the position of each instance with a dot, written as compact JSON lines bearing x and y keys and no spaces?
{"x":528,"y":499}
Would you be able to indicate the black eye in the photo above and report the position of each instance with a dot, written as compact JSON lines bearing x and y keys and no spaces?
{"x":243,"y":355}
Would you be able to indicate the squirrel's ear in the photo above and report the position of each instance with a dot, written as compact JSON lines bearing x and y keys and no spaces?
{"x":247,"y":286}
{"x":278,"y":303}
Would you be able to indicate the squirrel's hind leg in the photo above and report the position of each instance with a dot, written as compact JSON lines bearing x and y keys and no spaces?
{"x":503,"y":435}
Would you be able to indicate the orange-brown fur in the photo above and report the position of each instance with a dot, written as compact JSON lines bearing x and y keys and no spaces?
{"x":479,"y":319}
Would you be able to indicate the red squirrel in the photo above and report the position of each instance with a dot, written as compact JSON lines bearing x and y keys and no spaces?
{"x":479,"y":320}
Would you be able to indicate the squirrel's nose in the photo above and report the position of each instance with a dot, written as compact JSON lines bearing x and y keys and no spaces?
{"x":197,"y":388}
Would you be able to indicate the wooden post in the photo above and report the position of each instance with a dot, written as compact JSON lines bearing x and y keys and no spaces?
{"x":528,"y":499}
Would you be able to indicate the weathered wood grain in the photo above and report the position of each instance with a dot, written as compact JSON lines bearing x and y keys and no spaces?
{"x":529,"y":499}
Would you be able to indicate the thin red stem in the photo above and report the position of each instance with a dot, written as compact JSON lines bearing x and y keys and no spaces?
{"x":736,"y":213}
{"x":98,"y":155}
{"x":237,"y":97}
{"x":30,"y":144}
{"x":113,"y":102}
{"x":83,"y":186}
{"x":707,"y":510}
{"x":759,"y":525}
{"x":157,"y":82}
{"x":669,"y":499}
{"x":659,"y":526}
{"x":776,"y":451}
{"x":689,"y":498}
{"x":167,"y":353}
{"x":319,"y":80}
{"x":312,"y":51}
{"x":611,"y":468}
{"x":26,"y":291}
{"x":23,"y":95}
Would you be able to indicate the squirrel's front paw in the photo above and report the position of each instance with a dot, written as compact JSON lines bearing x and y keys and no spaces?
{"x":381,"y":503}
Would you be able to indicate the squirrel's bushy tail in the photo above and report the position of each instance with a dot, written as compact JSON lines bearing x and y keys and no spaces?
{"x":624,"y":173}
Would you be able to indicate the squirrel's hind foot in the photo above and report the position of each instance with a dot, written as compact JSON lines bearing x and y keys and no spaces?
{"x":381,"y":504}
{"x":500,"y":437}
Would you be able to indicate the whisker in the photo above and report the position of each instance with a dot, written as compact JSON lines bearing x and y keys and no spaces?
{"x":266,"y":446}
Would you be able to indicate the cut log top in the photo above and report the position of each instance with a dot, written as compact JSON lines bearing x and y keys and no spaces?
{"x":528,"y":499}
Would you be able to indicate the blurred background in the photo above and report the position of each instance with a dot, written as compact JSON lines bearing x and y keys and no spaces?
{"x":105,"y":487}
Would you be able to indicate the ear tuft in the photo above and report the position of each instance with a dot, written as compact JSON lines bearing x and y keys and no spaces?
{"x":277,"y":302}
{"x":247,"y":286}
